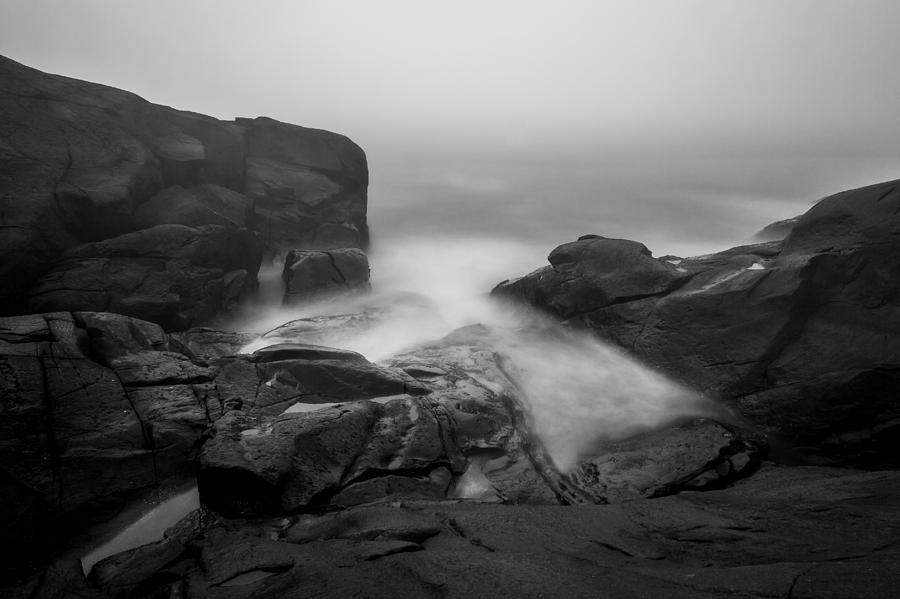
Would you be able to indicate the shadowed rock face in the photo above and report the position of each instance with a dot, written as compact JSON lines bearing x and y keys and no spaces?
{"x":81,"y":162}
{"x":173,"y":275}
{"x":205,"y":204}
{"x":803,"y":338}
{"x":93,"y":406}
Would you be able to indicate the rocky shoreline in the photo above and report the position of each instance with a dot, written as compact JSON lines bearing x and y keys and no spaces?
{"x":130,"y":228}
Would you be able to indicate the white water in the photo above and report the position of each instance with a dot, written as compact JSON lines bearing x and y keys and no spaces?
{"x":580,"y":390}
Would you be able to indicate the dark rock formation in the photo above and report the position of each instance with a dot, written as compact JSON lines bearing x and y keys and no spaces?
{"x":93,"y":406}
{"x":275,"y":378}
{"x":305,"y":458}
{"x":308,"y":274}
{"x":205,"y":204}
{"x":204,"y":345}
{"x":79,"y":163}
{"x":309,"y":186}
{"x":694,"y":455}
{"x":802,"y":338}
{"x":173,"y":275}
{"x":594,"y":272}
{"x":805,"y":533}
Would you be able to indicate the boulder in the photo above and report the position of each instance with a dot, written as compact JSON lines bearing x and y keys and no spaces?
{"x":173,"y":275}
{"x":595,"y":272}
{"x":309,"y":274}
{"x":491,"y":422}
{"x":802,"y":337}
{"x":306,"y":458}
{"x":300,"y":377}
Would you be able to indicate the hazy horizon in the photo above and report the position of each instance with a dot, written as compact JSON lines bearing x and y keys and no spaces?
{"x":687,"y":126}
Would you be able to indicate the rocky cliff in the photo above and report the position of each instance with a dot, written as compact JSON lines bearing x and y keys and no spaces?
{"x":801,"y":337}
{"x":82,"y":163}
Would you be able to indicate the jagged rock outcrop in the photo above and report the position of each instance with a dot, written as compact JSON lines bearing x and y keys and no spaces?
{"x":803,"y":338}
{"x":79,"y":163}
{"x":173,"y":275}
{"x":308,"y":273}
{"x":93,"y":406}
{"x":348,"y":454}
{"x":98,"y":405}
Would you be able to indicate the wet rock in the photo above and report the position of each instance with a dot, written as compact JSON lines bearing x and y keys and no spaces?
{"x":307,"y":457}
{"x":173,"y":275}
{"x":369,"y":314}
{"x":505,"y":461}
{"x":93,"y":406}
{"x":207,"y":345}
{"x":308,"y":274}
{"x":433,"y":485}
{"x":592,"y":273}
{"x":698,"y":454}
{"x":273,"y":378}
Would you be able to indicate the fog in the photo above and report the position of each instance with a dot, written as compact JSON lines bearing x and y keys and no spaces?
{"x":578,"y":390}
{"x":684,"y":125}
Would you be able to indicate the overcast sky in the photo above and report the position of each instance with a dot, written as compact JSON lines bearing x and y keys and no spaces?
{"x":777,"y":99}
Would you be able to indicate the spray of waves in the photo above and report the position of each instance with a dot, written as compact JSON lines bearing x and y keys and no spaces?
{"x":580,"y":391}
